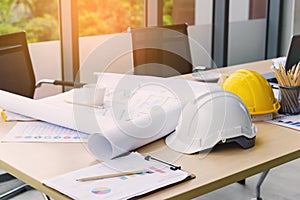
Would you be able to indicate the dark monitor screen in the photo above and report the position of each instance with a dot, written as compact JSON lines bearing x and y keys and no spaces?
{"x":293,"y":56}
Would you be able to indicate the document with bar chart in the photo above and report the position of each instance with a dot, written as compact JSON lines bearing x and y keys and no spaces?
{"x":290,"y":121}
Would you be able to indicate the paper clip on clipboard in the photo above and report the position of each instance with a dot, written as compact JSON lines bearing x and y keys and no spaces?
{"x":172,"y":167}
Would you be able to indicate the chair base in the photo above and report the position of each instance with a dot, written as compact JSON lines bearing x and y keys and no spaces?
{"x":15,"y":191}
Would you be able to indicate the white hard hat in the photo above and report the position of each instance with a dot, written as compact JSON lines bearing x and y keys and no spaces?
{"x":217,"y":116}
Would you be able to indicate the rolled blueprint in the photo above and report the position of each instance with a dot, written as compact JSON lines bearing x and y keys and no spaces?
{"x":136,"y":111}
{"x":36,"y":109}
{"x":128,"y":135}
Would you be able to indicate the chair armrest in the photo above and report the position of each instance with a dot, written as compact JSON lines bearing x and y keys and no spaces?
{"x":58,"y":82}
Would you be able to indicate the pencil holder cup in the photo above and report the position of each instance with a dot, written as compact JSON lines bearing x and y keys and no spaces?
{"x":289,"y":100}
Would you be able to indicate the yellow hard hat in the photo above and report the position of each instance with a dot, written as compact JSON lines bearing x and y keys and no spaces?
{"x":254,"y":90}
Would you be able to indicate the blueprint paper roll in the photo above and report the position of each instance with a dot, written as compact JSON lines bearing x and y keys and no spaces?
{"x":36,"y":109}
{"x":105,"y":142}
{"x":127,"y":137}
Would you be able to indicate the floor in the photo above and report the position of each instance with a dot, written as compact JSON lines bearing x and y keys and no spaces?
{"x":282,"y":183}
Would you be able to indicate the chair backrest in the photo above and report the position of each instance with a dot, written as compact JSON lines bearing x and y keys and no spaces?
{"x":16,"y":71}
{"x":161,"y":51}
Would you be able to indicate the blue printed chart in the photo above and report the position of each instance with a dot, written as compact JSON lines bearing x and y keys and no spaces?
{"x":290,"y":121}
{"x":43,"y":132}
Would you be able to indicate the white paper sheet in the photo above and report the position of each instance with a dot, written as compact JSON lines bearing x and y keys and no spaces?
{"x":137,"y":110}
{"x":280,"y":60}
{"x":43,"y":132}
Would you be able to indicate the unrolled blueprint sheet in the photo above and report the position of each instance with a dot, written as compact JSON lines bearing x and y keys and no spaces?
{"x":137,"y":110}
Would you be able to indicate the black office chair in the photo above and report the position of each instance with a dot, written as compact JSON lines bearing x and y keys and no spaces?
{"x":161,"y":51}
{"x":17,"y":76}
{"x":16,"y":71}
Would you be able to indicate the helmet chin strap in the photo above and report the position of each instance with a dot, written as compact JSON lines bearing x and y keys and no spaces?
{"x":243,"y":141}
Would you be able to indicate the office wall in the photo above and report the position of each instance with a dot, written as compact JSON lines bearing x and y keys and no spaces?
{"x":246,"y":41}
{"x":200,"y":38}
{"x":201,"y":33}
{"x":238,"y":10}
{"x":297,"y":18}
{"x":203,"y":12}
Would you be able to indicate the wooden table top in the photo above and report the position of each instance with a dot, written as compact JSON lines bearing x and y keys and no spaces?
{"x":225,"y":164}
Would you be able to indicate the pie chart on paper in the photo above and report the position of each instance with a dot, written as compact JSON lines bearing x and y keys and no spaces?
{"x":101,"y":190}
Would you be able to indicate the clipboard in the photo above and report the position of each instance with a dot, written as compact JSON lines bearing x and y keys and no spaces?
{"x":157,"y":176}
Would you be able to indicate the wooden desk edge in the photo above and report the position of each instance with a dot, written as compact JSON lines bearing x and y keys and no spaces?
{"x":235,"y":177}
{"x":186,"y":195}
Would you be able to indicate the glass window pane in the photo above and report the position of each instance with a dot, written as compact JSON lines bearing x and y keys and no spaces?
{"x":247,"y":31}
{"x":178,"y":11}
{"x":257,"y":9}
{"x":201,"y":34}
{"x":99,"y":21}
{"x":39,"y":18}
{"x":98,"y":17}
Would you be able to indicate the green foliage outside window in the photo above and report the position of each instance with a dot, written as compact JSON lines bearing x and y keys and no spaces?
{"x":39,"y":18}
{"x":109,"y":16}
{"x":167,"y":12}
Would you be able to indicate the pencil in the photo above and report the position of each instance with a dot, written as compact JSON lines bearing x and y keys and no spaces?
{"x":287,"y":78}
{"x":83,"y":104}
{"x":289,"y":83}
{"x":91,"y":178}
